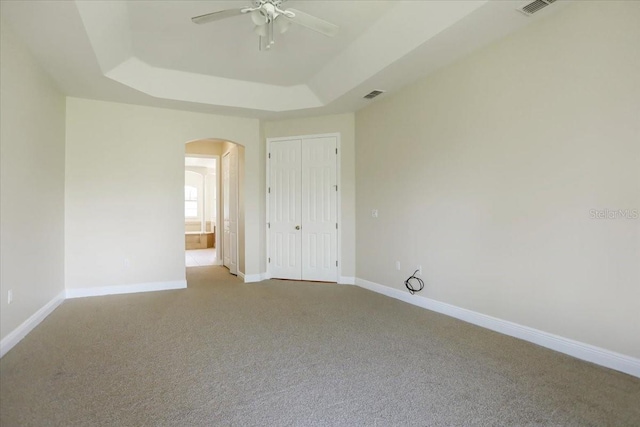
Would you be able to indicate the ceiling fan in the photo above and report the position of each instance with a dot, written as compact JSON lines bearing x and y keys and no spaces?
{"x":269,"y":17}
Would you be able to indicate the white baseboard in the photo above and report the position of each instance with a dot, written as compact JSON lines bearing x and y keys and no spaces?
{"x":126,"y":289}
{"x":253,"y":278}
{"x":590,"y":353}
{"x":241,"y":274}
{"x":27,"y":326}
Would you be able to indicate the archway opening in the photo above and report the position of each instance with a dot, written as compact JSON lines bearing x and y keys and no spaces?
{"x":214,"y":204}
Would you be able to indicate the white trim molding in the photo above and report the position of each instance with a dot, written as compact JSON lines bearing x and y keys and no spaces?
{"x":15,"y":336}
{"x":590,"y":353}
{"x":126,"y":289}
{"x":346,"y":280}
{"x":253,"y":278}
{"x":28,"y":325}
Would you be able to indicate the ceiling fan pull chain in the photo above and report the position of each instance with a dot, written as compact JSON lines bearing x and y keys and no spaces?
{"x":271,"y":41}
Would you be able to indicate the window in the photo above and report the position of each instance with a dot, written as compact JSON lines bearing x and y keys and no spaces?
{"x":190,"y":202}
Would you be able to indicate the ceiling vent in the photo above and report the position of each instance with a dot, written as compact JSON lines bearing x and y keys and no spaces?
{"x":533,"y":7}
{"x":373,"y":94}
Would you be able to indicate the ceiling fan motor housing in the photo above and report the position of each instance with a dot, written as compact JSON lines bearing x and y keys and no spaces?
{"x":265,"y":14}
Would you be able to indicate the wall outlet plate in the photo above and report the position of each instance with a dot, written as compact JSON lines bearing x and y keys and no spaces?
{"x":10,"y":296}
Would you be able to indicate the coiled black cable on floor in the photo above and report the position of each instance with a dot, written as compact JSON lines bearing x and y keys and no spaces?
{"x":412,"y":288}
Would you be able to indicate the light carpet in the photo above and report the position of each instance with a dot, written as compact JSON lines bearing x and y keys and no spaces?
{"x":279,"y":353}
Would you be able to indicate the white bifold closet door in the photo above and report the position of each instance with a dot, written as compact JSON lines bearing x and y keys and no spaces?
{"x":303,"y":209}
{"x":230,"y":210}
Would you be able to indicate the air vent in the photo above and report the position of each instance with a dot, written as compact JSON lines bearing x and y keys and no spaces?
{"x":535,"y":6}
{"x":373,"y":94}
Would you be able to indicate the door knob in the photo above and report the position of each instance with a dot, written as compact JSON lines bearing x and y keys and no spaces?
{"x":297,"y":227}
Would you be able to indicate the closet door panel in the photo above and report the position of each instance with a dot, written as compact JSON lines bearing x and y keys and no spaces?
{"x":319,"y":209}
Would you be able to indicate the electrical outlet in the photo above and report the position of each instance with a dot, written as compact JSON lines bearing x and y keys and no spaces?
{"x":10,"y":296}
{"x":374,"y":213}
{"x":398,"y":265}
{"x":419,"y":270}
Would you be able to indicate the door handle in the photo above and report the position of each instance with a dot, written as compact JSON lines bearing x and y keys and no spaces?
{"x":297,"y":227}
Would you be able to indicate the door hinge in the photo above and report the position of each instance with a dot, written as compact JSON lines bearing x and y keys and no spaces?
{"x":336,"y":151}
{"x":336,"y":263}
{"x":336,"y":225}
{"x":269,"y":190}
{"x":269,"y":155}
{"x":269,"y":260}
{"x":269,"y":225}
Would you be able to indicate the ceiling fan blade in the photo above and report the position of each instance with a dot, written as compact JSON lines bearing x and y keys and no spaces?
{"x":216,"y":16}
{"x":313,"y":23}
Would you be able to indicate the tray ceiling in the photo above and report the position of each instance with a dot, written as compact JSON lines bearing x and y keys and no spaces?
{"x":150,"y":53}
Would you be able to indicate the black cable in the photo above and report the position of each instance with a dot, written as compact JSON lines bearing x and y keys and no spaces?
{"x":413,"y":290}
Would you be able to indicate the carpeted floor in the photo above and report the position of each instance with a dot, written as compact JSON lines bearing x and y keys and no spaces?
{"x":292,"y":354}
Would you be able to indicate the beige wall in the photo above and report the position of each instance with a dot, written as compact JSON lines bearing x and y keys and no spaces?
{"x":31,"y":185}
{"x":343,"y":124}
{"x":485,"y":174}
{"x":122,"y":203}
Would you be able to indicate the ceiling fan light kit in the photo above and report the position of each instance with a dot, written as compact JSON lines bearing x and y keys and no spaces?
{"x":269,"y":18}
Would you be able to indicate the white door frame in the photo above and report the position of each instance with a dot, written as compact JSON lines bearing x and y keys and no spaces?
{"x":338,"y":196}
{"x":218,"y":260}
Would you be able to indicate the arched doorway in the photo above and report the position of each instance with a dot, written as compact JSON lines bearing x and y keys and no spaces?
{"x":217,"y":219}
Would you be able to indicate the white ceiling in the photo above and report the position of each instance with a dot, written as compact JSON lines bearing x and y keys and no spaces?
{"x":161,"y":40}
{"x":150,"y":53}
